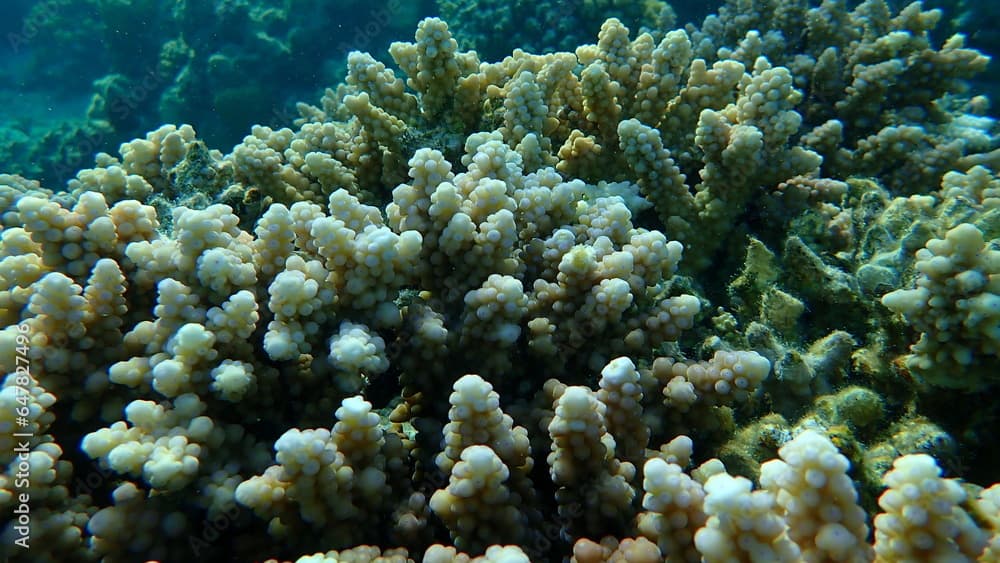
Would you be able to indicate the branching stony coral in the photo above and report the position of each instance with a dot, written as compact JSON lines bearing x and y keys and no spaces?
{"x":956,"y":307}
{"x":483,"y":228}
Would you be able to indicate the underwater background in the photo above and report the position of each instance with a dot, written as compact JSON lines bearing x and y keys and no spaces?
{"x":567,"y":280}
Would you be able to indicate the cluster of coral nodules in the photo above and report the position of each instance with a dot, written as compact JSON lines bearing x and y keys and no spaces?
{"x":956,"y":308}
{"x":194,"y":333}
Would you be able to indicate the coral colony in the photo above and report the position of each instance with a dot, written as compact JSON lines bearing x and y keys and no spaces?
{"x":721,"y":293}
